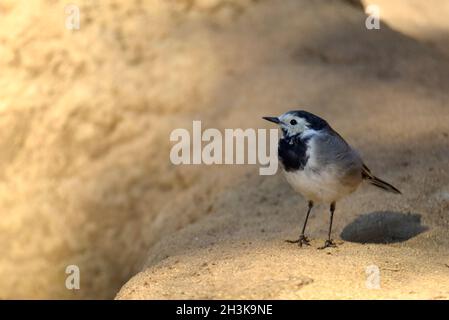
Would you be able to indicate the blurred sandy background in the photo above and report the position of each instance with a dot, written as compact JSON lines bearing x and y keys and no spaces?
{"x":85,"y":176}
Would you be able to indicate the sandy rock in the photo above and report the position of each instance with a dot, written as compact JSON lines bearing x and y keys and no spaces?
{"x":85,"y":117}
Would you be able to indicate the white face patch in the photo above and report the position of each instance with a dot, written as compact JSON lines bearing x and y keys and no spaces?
{"x":293,"y":128}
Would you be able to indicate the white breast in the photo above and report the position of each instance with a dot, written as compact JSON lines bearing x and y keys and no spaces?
{"x":319,"y":187}
{"x":322,"y":184}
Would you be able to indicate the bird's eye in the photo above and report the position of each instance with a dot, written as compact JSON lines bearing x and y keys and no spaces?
{"x":293,"y":122}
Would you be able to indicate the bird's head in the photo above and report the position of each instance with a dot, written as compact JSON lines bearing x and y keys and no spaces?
{"x":297,"y":122}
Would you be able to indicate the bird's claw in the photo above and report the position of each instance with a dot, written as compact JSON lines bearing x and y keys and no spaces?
{"x":302,"y":240}
{"x":328,"y":244}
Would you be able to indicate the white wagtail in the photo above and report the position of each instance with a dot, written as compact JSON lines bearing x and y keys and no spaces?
{"x":320,"y":164}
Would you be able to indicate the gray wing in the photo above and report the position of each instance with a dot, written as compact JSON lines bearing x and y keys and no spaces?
{"x":334,"y":153}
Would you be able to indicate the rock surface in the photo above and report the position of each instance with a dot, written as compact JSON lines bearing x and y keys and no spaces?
{"x":85,"y":117}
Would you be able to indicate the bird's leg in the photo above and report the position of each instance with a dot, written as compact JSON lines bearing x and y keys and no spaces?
{"x":302,"y":238}
{"x":329,"y":242}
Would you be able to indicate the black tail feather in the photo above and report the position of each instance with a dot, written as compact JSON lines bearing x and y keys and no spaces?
{"x":375,"y":181}
{"x":383,"y":185}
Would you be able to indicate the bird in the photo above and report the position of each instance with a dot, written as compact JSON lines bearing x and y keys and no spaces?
{"x":320,"y":165}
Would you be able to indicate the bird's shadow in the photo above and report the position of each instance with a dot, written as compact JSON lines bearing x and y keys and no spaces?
{"x":383,"y":227}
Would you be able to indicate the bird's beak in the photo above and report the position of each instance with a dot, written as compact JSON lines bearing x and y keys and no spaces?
{"x":272,"y":119}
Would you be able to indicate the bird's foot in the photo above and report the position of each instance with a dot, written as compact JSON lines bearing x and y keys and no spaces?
{"x":328,"y":244}
{"x":302,"y":240}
